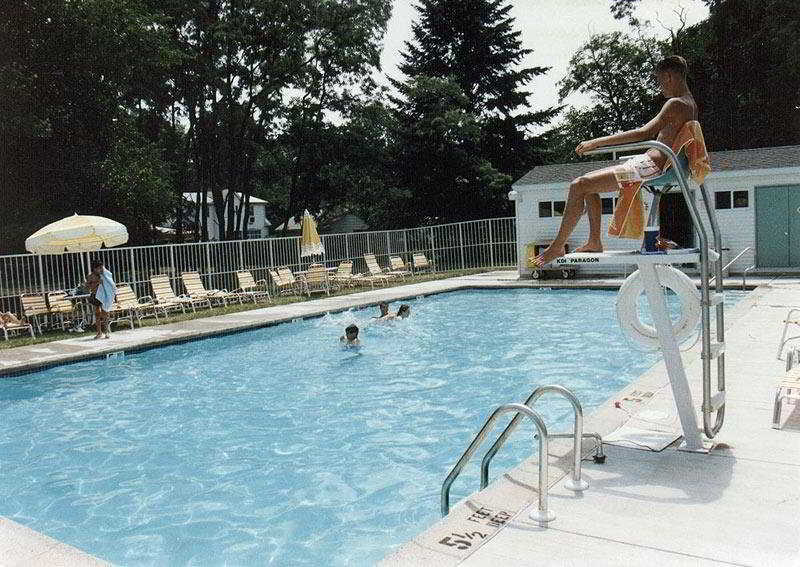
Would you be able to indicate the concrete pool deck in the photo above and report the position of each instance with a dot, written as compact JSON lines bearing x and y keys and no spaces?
{"x":737,"y":505}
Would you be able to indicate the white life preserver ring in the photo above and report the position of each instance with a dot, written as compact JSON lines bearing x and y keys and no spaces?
{"x":628,"y":312}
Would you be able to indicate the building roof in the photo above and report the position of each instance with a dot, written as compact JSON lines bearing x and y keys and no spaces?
{"x":734,"y":160}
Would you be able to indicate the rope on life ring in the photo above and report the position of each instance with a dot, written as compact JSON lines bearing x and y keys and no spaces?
{"x":628,"y":312}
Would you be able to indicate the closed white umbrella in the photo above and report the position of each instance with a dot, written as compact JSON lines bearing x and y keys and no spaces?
{"x":78,"y":233}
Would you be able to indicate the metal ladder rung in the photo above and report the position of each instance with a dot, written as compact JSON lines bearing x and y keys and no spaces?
{"x":717,"y":401}
{"x":717,"y":349}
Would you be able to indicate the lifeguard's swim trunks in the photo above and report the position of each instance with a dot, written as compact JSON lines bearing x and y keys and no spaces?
{"x":636,"y":169}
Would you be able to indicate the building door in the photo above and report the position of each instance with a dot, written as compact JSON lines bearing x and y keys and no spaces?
{"x":778,"y":226}
{"x":675,"y":220}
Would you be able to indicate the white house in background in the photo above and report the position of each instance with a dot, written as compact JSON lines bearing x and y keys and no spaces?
{"x":337,"y":225}
{"x":254,"y":221}
{"x":756,"y":194}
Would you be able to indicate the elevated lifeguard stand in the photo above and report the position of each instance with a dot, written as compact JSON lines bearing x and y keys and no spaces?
{"x":713,"y":406}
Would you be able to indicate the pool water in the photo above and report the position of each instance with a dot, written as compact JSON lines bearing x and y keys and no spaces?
{"x":277,"y":446}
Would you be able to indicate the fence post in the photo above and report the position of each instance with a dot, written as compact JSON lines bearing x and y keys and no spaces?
{"x":299,"y":254}
{"x":433,"y":251}
{"x":241,"y":256}
{"x":405,"y":248}
{"x":461,"y":243}
{"x":171,"y":262}
{"x":208,"y":262}
{"x":388,"y":245}
{"x":41,"y":273}
{"x":133,"y":269}
{"x":347,"y":245}
{"x":491,"y":245}
{"x":271,"y":256}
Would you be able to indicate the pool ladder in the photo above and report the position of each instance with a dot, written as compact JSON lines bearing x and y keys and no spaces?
{"x":576,"y":483}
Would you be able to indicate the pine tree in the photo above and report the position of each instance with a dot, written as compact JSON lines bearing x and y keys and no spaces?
{"x":474,"y":44}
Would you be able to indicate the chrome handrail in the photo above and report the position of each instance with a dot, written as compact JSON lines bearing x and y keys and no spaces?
{"x":543,"y":514}
{"x":577,"y":435}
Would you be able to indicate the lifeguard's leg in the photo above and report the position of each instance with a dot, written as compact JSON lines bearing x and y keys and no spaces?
{"x":594,"y":182}
{"x":594,"y":211}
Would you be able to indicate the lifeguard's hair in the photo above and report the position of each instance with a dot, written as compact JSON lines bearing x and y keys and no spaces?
{"x":674,"y":64}
{"x":351,"y":330}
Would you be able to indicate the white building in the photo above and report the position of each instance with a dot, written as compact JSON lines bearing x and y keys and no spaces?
{"x":254,"y":223}
{"x":756,"y":194}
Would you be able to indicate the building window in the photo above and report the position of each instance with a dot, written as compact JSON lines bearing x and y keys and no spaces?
{"x":558,"y":208}
{"x":741,"y":199}
{"x":608,"y":205}
{"x":722,"y":199}
{"x":732,"y":199}
{"x":251,"y":218}
{"x":545,"y":209}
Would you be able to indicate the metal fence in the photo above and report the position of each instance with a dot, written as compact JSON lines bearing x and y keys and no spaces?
{"x":487,"y":243}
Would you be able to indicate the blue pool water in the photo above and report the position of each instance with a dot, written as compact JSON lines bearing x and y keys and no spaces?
{"x":276,"y":446}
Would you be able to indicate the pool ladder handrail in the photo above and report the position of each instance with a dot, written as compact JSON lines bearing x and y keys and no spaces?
{"x":543,"y":513}
{"x":576,"y":483}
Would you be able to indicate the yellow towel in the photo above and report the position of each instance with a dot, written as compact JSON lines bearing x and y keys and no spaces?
{"x":628,"y":220}
{"x":690,"y":137}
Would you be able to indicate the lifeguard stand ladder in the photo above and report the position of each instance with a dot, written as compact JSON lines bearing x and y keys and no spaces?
{"x":713,"y":407}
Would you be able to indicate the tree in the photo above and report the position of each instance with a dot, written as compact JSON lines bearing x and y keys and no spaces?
{"x":472,"y":46}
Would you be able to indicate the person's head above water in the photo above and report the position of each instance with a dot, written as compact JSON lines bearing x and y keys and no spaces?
{"x":671,"y":74}
{"x":404,"y":311}
{"x":351,"y":332}
{"x":384,"y":307}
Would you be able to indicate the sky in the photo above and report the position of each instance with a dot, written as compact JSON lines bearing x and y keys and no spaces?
{"x":554,"y":29}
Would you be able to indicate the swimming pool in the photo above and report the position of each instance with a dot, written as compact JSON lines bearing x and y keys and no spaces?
{"x":276,"y":446}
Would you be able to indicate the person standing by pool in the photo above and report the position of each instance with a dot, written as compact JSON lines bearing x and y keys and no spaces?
{"x":102,"y":291}
{"x":584,"y":191}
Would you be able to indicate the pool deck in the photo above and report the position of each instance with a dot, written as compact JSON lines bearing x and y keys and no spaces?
{"x":737,"y":505}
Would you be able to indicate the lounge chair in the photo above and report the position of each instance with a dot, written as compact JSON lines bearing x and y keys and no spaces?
{"x":374,"y":270}
{"x":421,"y":263}
{"x":287,"y":277}
{"x":165,"y":296}
{"x":18,"y":326}
{"x":788,"y":388}
{"x":344,"y":275}
{"x":62,"y":307}
{"x":196,"y":290}
{"x":317,"y":280}
{"x":398,"y":266}
{"x":138,"y":307}
{"x":248,"y":287}
{"x":34,"y":309}
{"x":282,"y":287}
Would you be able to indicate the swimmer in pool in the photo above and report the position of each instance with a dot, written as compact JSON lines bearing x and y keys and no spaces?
{"x":384,"y":307}
{"x":402,"y":313}
{"x":350,"y":337}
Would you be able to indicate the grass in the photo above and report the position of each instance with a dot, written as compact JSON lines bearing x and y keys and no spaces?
{"x":50,"y":336}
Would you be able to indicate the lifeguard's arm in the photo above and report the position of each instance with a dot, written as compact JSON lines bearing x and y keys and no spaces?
{"x":646,"y":132}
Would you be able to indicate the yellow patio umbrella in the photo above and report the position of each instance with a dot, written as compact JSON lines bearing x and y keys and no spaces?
{"x":310,"y":243}
{"x":78,"y":233}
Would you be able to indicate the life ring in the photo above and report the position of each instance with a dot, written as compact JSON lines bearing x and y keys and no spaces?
{"x":628,"y":313}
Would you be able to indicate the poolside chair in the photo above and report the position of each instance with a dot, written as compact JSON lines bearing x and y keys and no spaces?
{"x":343,"y":276}
{"x":34,"y":309}
{"x":196,"y":290}
{"x":282,"y":287}
{"x":61,"y":306}
{"x":138,"y":307}
{"x":788,"y":389}
{"x":12,"y":327}
{"x":165,"y":296}
{"x":317,"y":280}
{"x":421,"y":263}
{"x":398,"y":266}
{"x":287,"y":277}
{"x":374,"y":270}
{"x":248,"y":287}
